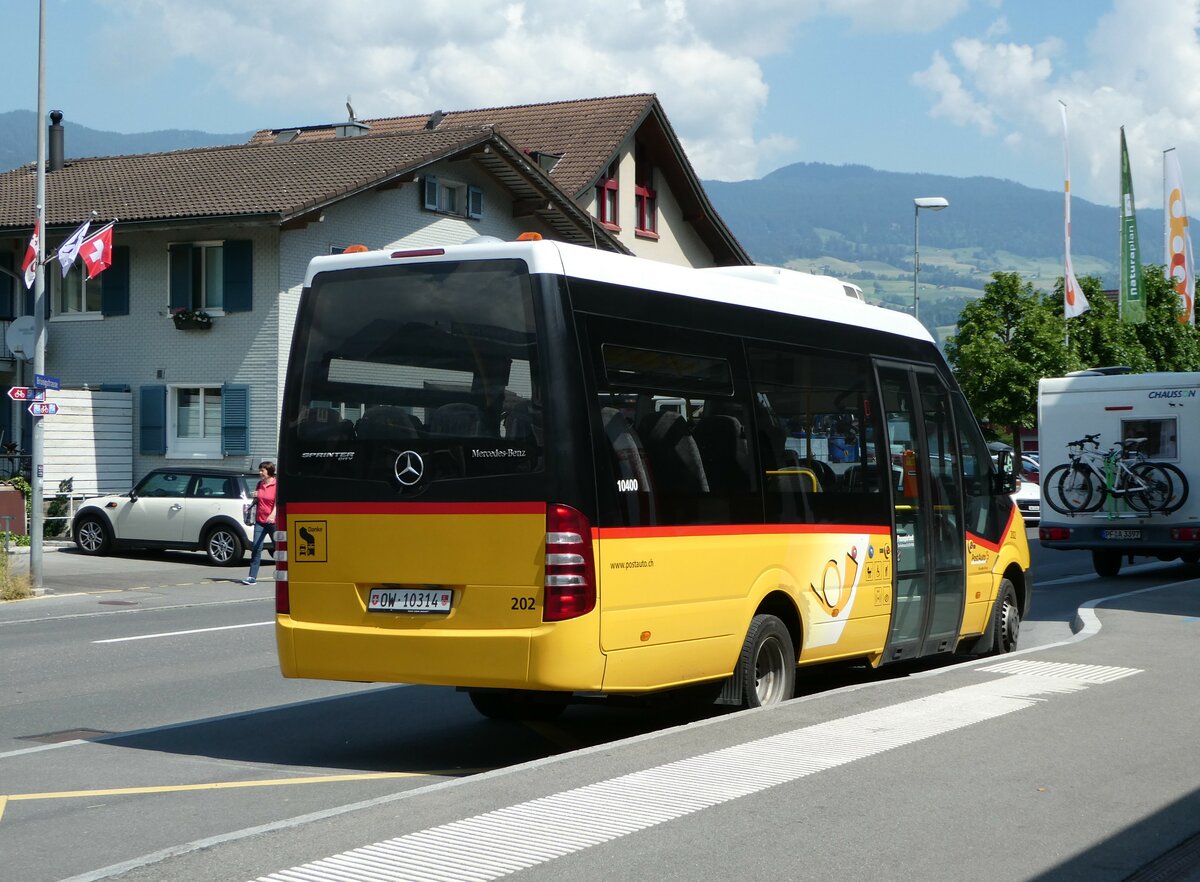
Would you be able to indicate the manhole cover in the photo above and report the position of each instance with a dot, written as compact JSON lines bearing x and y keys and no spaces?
{"x":65,"y":735}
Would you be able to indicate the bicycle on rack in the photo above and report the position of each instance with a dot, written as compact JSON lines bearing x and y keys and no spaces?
{"x":1085,"y":483}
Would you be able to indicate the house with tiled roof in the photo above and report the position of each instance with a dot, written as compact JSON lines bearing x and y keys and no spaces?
{"x":229,"y":231}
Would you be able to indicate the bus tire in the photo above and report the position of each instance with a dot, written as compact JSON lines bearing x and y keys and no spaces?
{"x":1106,"y":563}
{"x":516,"y":704}
{"x":767,"y":664}
{"x":1007,"y":627}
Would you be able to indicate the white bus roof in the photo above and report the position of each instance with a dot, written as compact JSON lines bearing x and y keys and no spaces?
{"x":720,"y":285}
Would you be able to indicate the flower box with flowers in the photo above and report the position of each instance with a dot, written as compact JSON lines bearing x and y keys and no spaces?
{"x":186,"y":320}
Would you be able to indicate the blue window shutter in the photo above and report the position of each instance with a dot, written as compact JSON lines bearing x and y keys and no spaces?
{"x":152,"y":418}
{"x":474,"y":203}
{"x":429,"y":193}
{"x":181,"y":276}
{"x":235,"y":419}
{"x":114,"y":284}
{"x":237,"y":257}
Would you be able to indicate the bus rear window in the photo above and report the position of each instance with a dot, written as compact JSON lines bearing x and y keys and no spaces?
{"x":440,"y":359}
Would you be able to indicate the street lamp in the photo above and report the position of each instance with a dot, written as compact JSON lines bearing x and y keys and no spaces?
{"x":933,"y":203}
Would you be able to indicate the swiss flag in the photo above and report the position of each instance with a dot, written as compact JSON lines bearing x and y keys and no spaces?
{"x":29,"y":265}
{"x":96,"y":251}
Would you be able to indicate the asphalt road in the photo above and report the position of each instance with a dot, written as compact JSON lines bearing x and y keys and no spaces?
{"x":143,"y":716}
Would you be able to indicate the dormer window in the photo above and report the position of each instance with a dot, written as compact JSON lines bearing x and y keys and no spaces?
{"x":606,"y":197}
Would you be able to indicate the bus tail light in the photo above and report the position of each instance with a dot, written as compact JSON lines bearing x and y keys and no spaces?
{"x":570,"y":567}
{"x":1053,"y":533}
{"x":283,"y":599}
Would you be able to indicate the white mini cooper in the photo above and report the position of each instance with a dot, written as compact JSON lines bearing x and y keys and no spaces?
{"x":191,"y":508}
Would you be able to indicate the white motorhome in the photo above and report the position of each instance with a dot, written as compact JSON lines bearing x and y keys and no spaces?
{"x":1164,"y":409}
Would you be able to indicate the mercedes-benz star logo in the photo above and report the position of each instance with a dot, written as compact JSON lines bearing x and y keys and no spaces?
{"x":410,"y":468}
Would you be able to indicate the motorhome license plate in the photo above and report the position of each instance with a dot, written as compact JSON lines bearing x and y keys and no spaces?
{"x":1120,"y":534}
{"x":410,"y":600}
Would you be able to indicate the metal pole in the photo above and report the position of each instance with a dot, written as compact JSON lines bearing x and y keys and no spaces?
{"x":39,"y":320}
{"x":916,"y":261}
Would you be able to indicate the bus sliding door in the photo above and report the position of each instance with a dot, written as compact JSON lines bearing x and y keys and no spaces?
{"x":927,"y":500}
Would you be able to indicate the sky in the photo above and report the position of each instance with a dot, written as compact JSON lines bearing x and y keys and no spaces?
{"x":952,"y":87}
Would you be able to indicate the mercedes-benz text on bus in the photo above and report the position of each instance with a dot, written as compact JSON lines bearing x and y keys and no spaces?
{"x":534,"y":470}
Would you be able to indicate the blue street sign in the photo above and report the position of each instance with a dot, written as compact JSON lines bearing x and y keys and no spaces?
{"x":46,"y":382}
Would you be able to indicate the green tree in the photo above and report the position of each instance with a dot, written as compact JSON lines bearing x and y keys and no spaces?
{"x":1007,"y":340}
{"x":1099,"y":338}
{"x":1169,"y":345}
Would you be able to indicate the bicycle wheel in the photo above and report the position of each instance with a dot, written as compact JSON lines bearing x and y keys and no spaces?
{"x":1050,"y":492}
{"x":1178,"y":491}
{"x":1149,"y":488}
{"x":1079,"y":491}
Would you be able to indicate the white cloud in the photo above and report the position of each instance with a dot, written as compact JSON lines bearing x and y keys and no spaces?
{"x":954,"y":103}
{"x":1137,"y":67}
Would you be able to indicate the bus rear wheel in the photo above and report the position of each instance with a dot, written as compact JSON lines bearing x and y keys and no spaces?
{"x":767,"y":664}
{"x":517,"y":704}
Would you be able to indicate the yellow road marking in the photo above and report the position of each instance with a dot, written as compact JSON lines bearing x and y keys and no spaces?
{"x":231,"y":785}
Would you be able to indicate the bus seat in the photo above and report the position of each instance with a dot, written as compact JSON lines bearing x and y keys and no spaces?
{"x":725,"y":452}
{"x":387,"y":421}
{"x":459,"y":419}
{"x":523,"y":421}
{"x":674,"y":456}
{"x":631,"y":456}
{"x":324,"y":424}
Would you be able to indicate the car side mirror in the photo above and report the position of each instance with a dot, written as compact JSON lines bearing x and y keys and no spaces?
{"x":1004,"y":479}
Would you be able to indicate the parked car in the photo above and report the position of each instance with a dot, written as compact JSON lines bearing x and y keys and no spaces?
{"x":203,"y":509}
{"x":1029,"y":500}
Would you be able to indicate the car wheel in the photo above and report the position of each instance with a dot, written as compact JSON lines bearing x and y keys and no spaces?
{"x":1007,"y":627}
{"x":1106,"y":563}
{"x":91,"y":535}
{"x":224,"y":547}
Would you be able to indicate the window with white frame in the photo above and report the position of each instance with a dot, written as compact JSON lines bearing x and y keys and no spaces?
{"x":194,"y":423}
{"x":72,"y":295}
{"x":451,"y":197}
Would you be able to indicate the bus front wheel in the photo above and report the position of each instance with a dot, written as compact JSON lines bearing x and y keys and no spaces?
{"x":767,"y":664}
{"x":1007,"y":627}
{"x":517,"y":704}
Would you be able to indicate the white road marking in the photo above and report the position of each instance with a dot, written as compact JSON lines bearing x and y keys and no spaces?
{"x":495,"y":844}
{"x":181,"y":633}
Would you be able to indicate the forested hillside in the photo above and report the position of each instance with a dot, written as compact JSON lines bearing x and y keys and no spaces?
{"x":861,"y":215}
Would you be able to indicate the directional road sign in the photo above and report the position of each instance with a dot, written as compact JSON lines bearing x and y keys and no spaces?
{"x":24,"y":393}
{"x":43,"y":408}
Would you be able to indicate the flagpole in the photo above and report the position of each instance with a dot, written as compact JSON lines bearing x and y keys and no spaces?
{"x":39,"y":322}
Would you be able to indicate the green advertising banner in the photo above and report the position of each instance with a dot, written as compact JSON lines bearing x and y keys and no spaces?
{"x":1133,"y":306}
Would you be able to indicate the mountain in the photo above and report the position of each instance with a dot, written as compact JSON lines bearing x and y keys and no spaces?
{"x":857,"y":214}
{"x":18,"y":140}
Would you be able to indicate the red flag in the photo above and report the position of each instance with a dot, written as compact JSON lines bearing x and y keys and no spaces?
{"x":96,"y":251}
{"x":29,"y":265}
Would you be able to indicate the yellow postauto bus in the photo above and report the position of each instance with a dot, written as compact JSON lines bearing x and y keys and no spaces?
{"x":534,"y":471}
